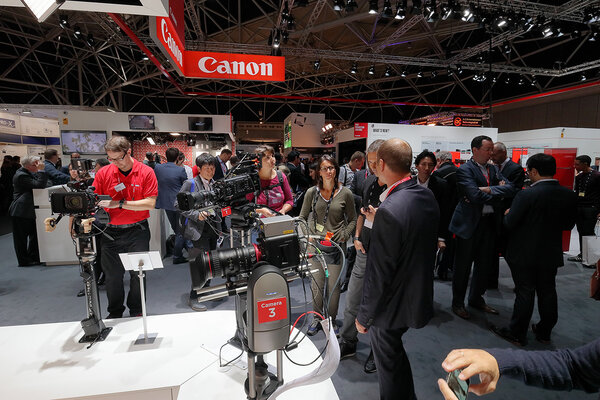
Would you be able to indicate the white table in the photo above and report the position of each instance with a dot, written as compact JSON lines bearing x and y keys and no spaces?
{"x":46,"y":361}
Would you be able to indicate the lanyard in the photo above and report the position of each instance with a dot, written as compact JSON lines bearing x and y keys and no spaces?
{"x":486,"y":175}
{"x":132,"y":184}
{"x":391,"y":188}
{"x":587,"y":181}
{"x":316,"y":198}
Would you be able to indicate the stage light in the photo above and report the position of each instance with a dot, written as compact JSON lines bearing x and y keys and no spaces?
{"x":372,"y":70}
{"x":446,"y":11}
{"x":387,"y":9}
{"x":404,"y":73}
{"x":285,"y":37}
{"x":506,"y":48}
{"x":285,"y":13}
{"x":354,"y":69}
{"x":521,"y":81}
{"x":373,"y":7}
{"x":468,"y":13}
{"x":507,"y":80}
{"x":433,"y":74}
{"x":430,"y":13}
{"x":337,"y":5}
{"x":317,"y":65}
{"x":401,"y":10}
{"x":90,"y":40}
{"x":150,"y":140}
{"x":501,"y":21}
{"x":63,"y":21}
{"x":583,"y":77}
{"x":459,"y":69}
{"x":420,"y":74}
{"x":388,"y":71}
{"x":547,"y":31}
{"x":276,"y":39}
{"x":77,"y":32}
{"x":533,"y":81}
{"x":42,"y":9}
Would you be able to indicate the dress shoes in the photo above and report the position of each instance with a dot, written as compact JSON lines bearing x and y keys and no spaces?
{"x":538,"y":337}
{"x":196,"y":305}
{"x":588,"y":266}
{"x":576,"y":258}
{"x":30,"y":264}
{"x":179,"y":260}
{"x":347,"y":350}
{"x":485,"y":308}
{"x":461,"y":312}
{"x":507,"y":335}
{"x":370,"y":366}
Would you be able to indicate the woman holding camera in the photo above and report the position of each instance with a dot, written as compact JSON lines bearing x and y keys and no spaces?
{"x":332,"y":214}
{"x":275,"y":192}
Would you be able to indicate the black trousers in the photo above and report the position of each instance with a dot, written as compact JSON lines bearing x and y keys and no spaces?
{"x":478,"y":251}
{"x":98,"y":261}
{"x":529,"y":281}
{"x":393,"y":367}
{"x":586,"y":222}
{"x":25,"y":240}
{"x":128,"y":240}
{"x":447,"y":263}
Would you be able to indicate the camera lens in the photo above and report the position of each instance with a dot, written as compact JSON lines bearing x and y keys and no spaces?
{"x":73,"y":203}
{"x":223,"y":263}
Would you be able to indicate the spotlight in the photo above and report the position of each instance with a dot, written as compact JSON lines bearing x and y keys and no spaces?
{"x":285,"y":13}
{"x":317,"y":65}
{"x":468,"y":13}
{"x":387,"y":9}
{"x":420,"y":74}
{"x":459,"y":69}
{"x":372,"y":70}
{"x":430,"y":13}
{"x":90,"y":40}
{"x":388,"y":71}
{"x":501,"y":21}
{"x":433,"y":74}
{"x":446,"y":11}
{"x":521,"y":81}
{"x":506,"y":48}
{"x":291,"y":24}
{"x":593,"y":36}
{"x":354,"y":69}
{"x":150,"y":140}
{"x":373,"y":7}
{"x":404,"y":73}
{"x":337,"y":5}
{"x":583,"y":77}
{"x":480,"y":77}
{"x":276,"y":39}
{"x":145,"y":58}
{"x":351,"y":5}
{"x":449,"y":71}
{"x":77,"y":32}
{"x":63,"y":21}
{"x":285,"y":36}
{"x":547,"y":31}
{"x":507,"y":80}
{"x":401,"y":10}
{"x":533,"y":81}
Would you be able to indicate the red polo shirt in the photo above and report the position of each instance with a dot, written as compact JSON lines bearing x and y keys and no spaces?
{"x":139,"y":184}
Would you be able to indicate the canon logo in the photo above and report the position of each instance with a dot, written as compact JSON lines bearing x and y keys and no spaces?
{"x":171,"y":44}
{"x":272,"y":304}
{"x":210,"y":65}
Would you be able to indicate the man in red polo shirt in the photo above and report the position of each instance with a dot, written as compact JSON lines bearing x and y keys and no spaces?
{"x":133,"y":188}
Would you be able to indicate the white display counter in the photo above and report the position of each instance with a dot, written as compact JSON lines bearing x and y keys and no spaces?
{"x":46,"y":361}
{"x":57,"y":248}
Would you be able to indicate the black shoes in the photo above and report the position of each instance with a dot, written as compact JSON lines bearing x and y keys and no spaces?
{"x":507,"y":335}
{"x":485,"y":308}
{"x":461,"y":312}
{"x":30,"y":264}
{"x":576,"y":258}
{"x":314,"y":327}
{"x":538,"y":336}
{"x":370,"y":366}
{"x":347,"y":350}
{"x":179,"y":260}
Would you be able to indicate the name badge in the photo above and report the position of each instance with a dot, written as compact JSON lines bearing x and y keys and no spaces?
{"x":320,"y":227}
{"x":120,"y":187}
{"x":581,"y":194}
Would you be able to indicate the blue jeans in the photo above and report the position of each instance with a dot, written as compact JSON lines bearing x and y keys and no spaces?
{"x":173,"y":217}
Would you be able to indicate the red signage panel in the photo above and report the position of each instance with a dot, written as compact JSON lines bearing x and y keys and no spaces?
{"x":177,"y":18}
{"x":361,"y":129}
{"x":272,"y":310}
{"x":168,"y":38}
{"x":248,"y":67}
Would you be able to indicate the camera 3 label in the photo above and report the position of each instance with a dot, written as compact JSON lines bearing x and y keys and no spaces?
{"x":272,"y":310}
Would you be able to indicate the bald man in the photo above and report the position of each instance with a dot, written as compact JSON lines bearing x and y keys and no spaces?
{"x":398,"y":280}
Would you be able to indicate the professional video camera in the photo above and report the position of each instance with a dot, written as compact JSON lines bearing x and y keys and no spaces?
{"x":81,"y":204}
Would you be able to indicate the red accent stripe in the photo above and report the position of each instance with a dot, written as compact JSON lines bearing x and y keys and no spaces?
{"x":209,"y":265}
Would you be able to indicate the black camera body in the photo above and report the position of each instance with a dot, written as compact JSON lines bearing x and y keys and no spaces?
{"x":227,"y":192}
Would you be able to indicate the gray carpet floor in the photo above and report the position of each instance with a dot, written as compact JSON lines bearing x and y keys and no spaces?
{"x":38,"y":295}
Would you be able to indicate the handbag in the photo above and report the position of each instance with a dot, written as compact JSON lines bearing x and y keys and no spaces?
{"x":595,"y":283}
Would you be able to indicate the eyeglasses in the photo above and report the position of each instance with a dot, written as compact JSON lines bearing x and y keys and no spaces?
{"x":116,"y":159}
{"x":327,"y":169}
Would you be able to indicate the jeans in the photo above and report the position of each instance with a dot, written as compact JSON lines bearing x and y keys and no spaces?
{"x":317,"y":285}
{"x":353,"y":298}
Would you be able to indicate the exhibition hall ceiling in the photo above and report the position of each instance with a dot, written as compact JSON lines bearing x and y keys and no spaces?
{"x":353,"y":61}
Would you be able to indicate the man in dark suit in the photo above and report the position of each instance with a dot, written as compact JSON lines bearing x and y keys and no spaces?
{"x":481,"y":187}
{"x":447,"y":171}
{"x":298,"y":182}
{"x":425,"y":163}
{"x":514,"y":174}
{"x":170,"y":178}
{"x":221,"y":164}
{"x":535,"y":223}
{"x":31,"y":175}
{"x":55,"y":177}
{"x":398,"y":281}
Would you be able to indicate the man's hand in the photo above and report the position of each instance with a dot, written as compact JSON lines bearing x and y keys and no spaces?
{"x":108,"y":203}
{"x":502,"y":183}
{"x":507,"y":211}
{"x":485,"y":189}
{"x":359,"y":246}
{"x":446,"y":391}
{"x":369,"y":213}
{"x":441,"y":245}
{"x":359,"y":327}
{"x":265,"y":212}
{"x":203,"y":216}
{"x":474,"y":362}
{"x":40,"y":165}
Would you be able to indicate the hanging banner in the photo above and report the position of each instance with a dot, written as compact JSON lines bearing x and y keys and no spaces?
{"x":248,"y":67}
{"x":361,"y":129}
{"x":177,"y":18}
{"x":163,"y":32}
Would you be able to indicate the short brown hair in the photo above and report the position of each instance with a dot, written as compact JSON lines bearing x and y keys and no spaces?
{"x":226,"y":151}
{"x":397,"y":155}
{"x":357,"y":155}
{"x":49,"y":153}
{"x":263,"y":149}
{"x":117,"y":143}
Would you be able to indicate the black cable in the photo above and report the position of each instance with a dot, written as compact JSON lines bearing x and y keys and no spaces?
{"x":316,"y":359}
{"x":230,"y":361}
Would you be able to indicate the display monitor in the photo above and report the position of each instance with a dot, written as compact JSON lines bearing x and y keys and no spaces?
{"x":83,"y":142}
{"x":141,"y":122}
{"x":200,"y":124}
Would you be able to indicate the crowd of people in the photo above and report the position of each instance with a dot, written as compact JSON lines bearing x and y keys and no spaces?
{"x":402,"y":222}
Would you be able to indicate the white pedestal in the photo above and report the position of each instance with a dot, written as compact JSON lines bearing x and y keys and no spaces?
{"x":46,"y":362}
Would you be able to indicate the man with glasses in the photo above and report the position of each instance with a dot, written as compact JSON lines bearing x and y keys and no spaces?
{"x":133,"y":188}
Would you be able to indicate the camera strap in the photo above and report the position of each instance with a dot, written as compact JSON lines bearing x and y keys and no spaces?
{"x":279,"y":183}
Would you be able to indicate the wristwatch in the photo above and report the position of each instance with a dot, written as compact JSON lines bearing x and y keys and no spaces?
{"x":121,"y":203}
{"x":357,"y":238}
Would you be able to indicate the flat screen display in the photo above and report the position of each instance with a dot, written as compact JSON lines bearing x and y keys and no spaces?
{"x":200,"y":124}
{"x":141,"y":122}
{"x":83,"y":142}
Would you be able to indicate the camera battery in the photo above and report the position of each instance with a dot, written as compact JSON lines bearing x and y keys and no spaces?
{"x":277,"y":226}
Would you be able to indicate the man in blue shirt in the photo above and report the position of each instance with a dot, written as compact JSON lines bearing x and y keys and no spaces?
{"x":170,"y":178}
{"x":55,"y":177}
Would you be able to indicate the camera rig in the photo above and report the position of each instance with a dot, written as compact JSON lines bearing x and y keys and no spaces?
{"x":81,"y":204}
{"x":256,"y":273}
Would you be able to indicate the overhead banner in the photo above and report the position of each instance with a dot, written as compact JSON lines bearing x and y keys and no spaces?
{"x":361,"y":129}
{"x":200,"y":64}
{"x":177,"y":18}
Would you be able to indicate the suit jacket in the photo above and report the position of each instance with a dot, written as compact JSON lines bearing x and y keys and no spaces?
{"x":448,"y":171}
{"x":398,"y":281}
{"x":219,"y":170}
{"x":515,"y":175}
{"x":193,"y":228}
{"x":24,"y":182}
{"x":55,"y":177}
{"x":298,"y":182}
{"x":439,"y":187}
{"x":535,"y":222}
{"x":170,"y":178}
{"x":468,"y":211}
{"x":358,"y":187}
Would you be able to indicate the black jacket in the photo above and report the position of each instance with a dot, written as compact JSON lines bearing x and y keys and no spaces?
{"x":440,"y":190}
{"x":515,"y":175}
{"x":535,"y":223}
{"x":24,"y":182}
{"x":398,"y":281}
{"x":358,"y":188}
